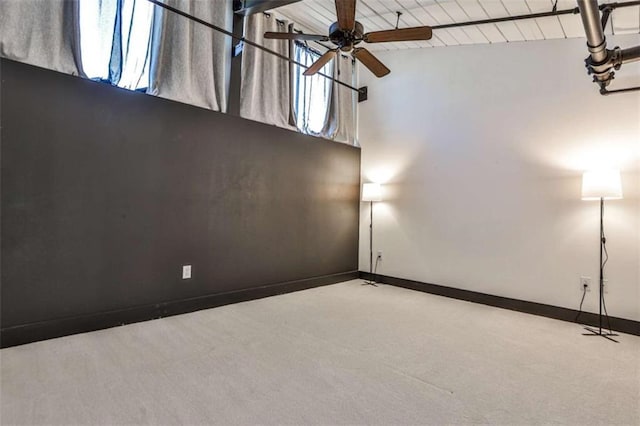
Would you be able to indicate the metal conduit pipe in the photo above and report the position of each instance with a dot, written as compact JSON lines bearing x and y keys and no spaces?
{"x":596,"y":42}
{"x":631,"y":54}
{"x":603,"y":62}
{"x":599,"y":63}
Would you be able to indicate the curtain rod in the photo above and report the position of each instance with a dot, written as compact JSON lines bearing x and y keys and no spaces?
{"x":308,"y":48}
{"x":242,"y":39}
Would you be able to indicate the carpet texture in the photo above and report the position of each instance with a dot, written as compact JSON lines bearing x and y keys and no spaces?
{"x":339,"y":354}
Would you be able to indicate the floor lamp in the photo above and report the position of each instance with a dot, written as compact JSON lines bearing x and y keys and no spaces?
{"x":601,"y":185}
{"x":371,"y":192}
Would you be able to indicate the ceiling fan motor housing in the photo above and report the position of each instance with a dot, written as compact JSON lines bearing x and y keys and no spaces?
{"x":346,"y":39}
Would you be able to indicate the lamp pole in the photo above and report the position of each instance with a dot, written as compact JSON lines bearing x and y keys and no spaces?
{"x":371,"y":192}
{"x":371,"y":240}
{"x":371,"y":278}
{"x":601,"y":185}
{"x":602,"y":243}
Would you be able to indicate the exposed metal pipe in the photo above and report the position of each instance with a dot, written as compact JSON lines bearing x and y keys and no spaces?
{"x":631,"y":54}
{"x":609,"y":7}
{"x":596,"y":41}
{"x":605,"y":92}
{"x":603,"y":62}
{"x":573,"y":11}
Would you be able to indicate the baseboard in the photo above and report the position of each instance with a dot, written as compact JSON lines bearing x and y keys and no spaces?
{"x":621,"y":325}
{"x":27,"y":333}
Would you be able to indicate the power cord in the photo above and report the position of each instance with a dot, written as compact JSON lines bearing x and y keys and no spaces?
{"x":375,"y":270}
{"x":606,"y":254}
{"x":604,"y":305}
{"x":584,"y":293}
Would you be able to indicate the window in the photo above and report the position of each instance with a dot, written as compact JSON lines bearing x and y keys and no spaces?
{"x":115,"y":41}
{"x":311,"y":94}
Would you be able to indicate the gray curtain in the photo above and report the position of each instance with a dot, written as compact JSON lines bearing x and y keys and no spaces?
{"x":41,"y":33}
{"x":341,"y":124}
{"x":265,"y":91}
{"x":193,"y":62}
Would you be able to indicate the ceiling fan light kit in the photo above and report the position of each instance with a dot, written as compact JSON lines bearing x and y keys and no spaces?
{"x":346,"y":33}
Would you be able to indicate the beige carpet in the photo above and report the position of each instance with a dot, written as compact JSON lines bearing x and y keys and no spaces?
{"x":340,"y":354}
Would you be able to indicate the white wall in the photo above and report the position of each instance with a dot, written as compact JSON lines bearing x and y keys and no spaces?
{"x":482,"y":150}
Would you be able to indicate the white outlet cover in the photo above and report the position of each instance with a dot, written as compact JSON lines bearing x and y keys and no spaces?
{"x":186,"y":272}
{"x":583,"y":281}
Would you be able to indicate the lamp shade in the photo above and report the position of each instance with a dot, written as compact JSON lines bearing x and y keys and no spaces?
{"x":599,"y":184}
{"x":371,"y":192}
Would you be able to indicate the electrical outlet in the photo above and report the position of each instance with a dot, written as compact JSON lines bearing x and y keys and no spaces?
{"x":380,"y":254}
{"x":186,"y":272}
{"x":605,"y":286}
{"x":585,"y":282}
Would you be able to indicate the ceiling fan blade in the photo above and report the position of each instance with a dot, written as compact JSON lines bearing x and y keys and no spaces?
{"x":371,"y":62}
{"x":402,"y":34}
{"x":295,"y":36}
{"x":317,"y":65}
{"x":346,"y":11}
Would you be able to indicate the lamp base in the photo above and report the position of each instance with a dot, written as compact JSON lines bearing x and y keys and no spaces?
{"x":606,"y":335}
{"x":370,"y":283}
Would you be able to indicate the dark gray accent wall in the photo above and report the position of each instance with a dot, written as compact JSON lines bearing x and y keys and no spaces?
{"x":106,"y":193}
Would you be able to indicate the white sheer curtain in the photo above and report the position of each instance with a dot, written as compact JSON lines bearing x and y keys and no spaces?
{"x":115,"y":41}
{"x":312,"y":94}
{"x":134,"y":56}
{"x":97,"y":27}
{"x":341,"y":125}
{"x":265,"y":91}
{"x":193,"y":62}
{"x":41,"y":33}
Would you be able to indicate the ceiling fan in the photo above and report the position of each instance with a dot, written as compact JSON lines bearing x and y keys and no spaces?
{"x":347,"y":33}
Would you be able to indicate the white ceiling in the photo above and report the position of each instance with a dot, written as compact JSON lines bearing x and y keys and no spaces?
{"x":315,"y":16}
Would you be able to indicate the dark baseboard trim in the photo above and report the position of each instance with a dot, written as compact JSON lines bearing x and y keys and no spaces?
{"x":621,"y":325}
{"x":19,"y":335}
